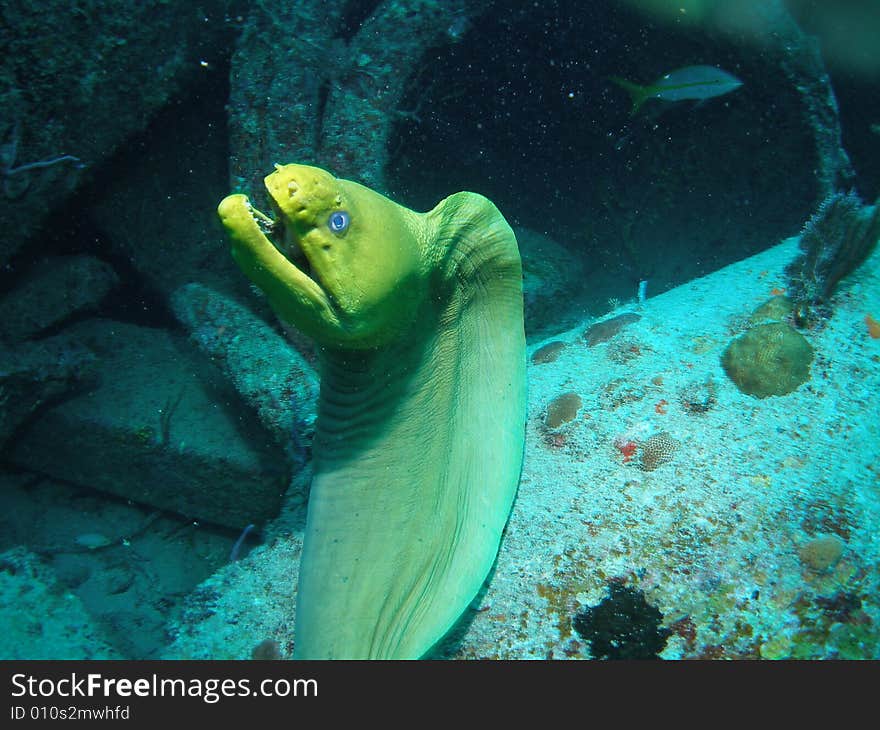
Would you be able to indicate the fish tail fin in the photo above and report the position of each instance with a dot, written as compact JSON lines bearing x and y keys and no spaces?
{"x":637,"y":93}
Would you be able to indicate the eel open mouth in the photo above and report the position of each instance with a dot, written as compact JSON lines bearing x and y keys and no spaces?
{"x":270,"y":253}
{"x":282,"y":238}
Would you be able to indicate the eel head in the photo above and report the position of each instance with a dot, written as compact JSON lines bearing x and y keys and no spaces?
{"x":336,"y":259}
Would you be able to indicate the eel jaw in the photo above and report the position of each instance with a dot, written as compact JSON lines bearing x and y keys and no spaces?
{"x":294,"y":294}
{"x":281,"y":236}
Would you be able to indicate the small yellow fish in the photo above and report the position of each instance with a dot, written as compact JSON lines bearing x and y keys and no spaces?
{"x":690,"y":82}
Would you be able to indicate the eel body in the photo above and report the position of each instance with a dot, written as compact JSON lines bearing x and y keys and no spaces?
{"x":418,"y":318}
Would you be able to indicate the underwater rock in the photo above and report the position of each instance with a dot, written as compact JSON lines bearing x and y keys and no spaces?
{"x":340,"y":87}
{"x":799,"y":56}
{"x":160,"y":428}
{"x":40,"y":619}
{"x":56,"y":289}
{"x":35,"y":372}
{"x":770,"y":359}
{"x":266,"y":371}
{"x":81,"y":81}
{"x":218,"y":620}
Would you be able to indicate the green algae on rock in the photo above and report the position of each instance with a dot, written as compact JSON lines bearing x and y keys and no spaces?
{"x":770,"y":359}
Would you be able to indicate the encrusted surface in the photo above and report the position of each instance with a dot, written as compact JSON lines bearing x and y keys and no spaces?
{"x":754,"y":538}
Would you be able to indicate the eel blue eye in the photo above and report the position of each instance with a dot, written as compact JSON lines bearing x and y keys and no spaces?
{"x":338,"y":221}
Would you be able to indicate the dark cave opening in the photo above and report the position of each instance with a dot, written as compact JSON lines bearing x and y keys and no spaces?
{"x":859,"y":105}
{"x":523,"y":111}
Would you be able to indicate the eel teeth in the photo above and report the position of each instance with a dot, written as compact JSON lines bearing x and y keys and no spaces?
{"x":266,"y":224}
{"x":275,"y":231}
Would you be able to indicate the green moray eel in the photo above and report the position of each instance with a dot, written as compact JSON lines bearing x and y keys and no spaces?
{"x":418,"y":318}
